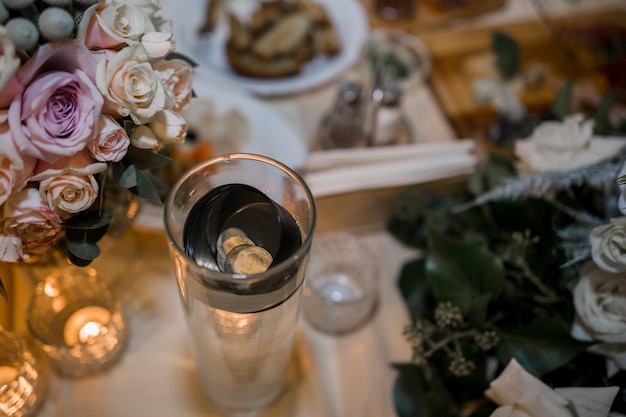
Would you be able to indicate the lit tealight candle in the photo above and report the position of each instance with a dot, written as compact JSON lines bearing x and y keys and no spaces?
{"x":7,"y":374}
{"x":85,"y":324}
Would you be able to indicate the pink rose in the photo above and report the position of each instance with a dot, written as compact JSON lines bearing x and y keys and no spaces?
{"x":111,"y":142}
{"x":113,"y":24}
{"x":177,"y":78}
{"x":56,"y":115}
{"x":27,"y":217}
{"x":10,"y":249}
{"x":69,"y":185}
{"x":15,"y":169}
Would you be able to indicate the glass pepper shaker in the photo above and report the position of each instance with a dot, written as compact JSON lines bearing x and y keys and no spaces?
{"x":388,"y":118}
{"x":341,"y":127}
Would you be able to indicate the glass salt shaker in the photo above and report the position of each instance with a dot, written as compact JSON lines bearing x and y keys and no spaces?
{"x":341,"y":127}
{"x":387,"y":130}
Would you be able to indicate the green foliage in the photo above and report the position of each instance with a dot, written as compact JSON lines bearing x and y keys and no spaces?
{"x":420,"y":392}
{"x":562,"y":103}
{"x":541,"y":347}
{"x":507,"y":52}
{"x":464,"y":274}
{"x":501,"y":264}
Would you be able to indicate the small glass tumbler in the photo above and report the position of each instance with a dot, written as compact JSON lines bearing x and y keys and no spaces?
{"x":23,"y":377}
{"x":77,"y":321}
{"x":241,"y":324}
{"x":342,"y":286}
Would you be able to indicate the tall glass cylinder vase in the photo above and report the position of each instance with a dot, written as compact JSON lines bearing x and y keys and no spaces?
{"x":240,"y":228}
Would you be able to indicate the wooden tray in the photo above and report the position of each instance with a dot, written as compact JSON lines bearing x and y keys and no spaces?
{"x":428,"y":16}
{"x":452,"y":86}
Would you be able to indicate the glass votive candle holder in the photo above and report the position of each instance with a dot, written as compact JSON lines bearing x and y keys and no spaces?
{"x":23,"y":377}
{"x":342,"y":285}
{"x":78,"y":322}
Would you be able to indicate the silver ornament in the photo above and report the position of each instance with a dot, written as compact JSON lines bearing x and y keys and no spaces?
{"x":58,"y":3}
{"x":56,"y":24}
{"x":23,"y":33}
{"x":4,"y":13}
{"x":17,"y":4}
{"x":85,"y":3}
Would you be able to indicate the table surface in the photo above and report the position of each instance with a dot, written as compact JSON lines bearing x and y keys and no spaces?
{"x":348,"y":376}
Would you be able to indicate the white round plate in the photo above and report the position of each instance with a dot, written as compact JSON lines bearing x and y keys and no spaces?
{"x":271,"y":134}
{"x":348,"y":17}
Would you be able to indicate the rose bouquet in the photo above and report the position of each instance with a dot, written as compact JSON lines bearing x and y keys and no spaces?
{"x":523,"y":274}
{"x":90,"y":91}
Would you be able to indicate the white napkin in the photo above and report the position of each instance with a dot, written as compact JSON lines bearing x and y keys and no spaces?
{"x":339,"y":171}
{"x":520,"y":394}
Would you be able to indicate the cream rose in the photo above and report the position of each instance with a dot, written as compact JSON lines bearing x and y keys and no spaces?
{"x":10,"y":249}
{"x":169,"y":127}
{"x":130,"y":84}
{"x":112,"y":24}
{"x":608,"y":245}
{"x":557,"y":146}
{"x":521,"y":394}
{"x":158,"y":44}
{"x":9,"y":62}
{"x":111,"y":142}
{"x":69,"y":186}
{"x":143,"y":137}
{"x":29,"y":218}
{"x":15,"y":169}
{"x":600,"y":302}
{"x":177,"y":78}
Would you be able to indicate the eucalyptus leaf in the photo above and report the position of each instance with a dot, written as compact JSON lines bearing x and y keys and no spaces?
{"x":464,"y":274}
{"x":562,"y":104}
{"x":129,"y":178}
{"x":84,"y":250}
{"x":541,"y":347}
{"x":146,"y":189}
{"x":145,"y":158}
{"x":89,"y":220}
{"x":506,"y":50}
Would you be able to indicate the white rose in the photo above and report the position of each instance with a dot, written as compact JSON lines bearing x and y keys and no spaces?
{"x":28,"y":217}
{"x":557,"y":146}
{"x":169,"y":127}
{"x":10,"y":249}
{"x":143,"y":137}
{"x":9,"y":62}
{"x":69,"y":186}
{"x":608,"y":245}
{"x":128,"y":81}
{"x":521,"y":394}
{"x":111,"y":143}
{"x":15,"y":169}
{"x":111,"y":24}
{"x":600,"y":302}
{"x":177,"y":78}
{"x":158,"y":44}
